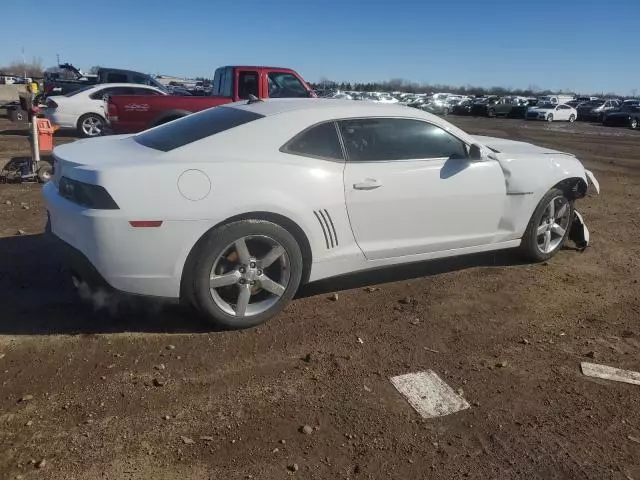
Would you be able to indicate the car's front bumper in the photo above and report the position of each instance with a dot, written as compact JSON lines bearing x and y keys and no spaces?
{"x":140,"y":261}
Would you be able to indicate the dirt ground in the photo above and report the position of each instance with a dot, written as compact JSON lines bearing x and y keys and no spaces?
{"x":149,"y":395}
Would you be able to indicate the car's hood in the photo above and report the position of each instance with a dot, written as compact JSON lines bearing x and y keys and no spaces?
{"x":502,"y":145}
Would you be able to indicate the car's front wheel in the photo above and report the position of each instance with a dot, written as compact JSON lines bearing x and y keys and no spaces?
{"x":550,"y":118}
{"x":633,"y":124}
{"x":245,"y":272}
{"x":572,"y":118}
{"x":549,"y":226}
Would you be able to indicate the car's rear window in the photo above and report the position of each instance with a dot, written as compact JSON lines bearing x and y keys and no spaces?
{"x":195,"y":127}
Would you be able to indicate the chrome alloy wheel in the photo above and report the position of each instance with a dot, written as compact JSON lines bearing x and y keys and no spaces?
{"x":553,"y":225}
{"x":92,"y":126}
{"x":249,"y":276}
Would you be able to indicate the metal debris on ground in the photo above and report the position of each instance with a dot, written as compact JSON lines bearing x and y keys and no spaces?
{"x":610,"y":373}
{"x":428,"y":394}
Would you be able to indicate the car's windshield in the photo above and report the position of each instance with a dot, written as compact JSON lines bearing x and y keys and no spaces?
{"x":286,"y":85}
{"x":596,"y":103}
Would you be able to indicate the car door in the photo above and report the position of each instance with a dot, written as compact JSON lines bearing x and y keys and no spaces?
{"x":503,"y":107}
{"x":562,"y":112}
{"x":410,"y":188}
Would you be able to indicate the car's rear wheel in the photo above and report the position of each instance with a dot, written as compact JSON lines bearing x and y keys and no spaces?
{"x":572,"y":118}
{"x":492,"y":113}
{"x":633,"y":123}
{"x":550,"y":118}
{"x":245,"y":273}
{"x":91,"y":125}
{"x":549,"y":227}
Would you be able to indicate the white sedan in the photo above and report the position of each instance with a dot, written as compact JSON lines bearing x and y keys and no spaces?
{"x":83,"y":110}
{"x":234,"y":207}
{"x":551,"y":112}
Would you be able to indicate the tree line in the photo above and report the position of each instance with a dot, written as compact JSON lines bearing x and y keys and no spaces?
{"x":17,"y":68}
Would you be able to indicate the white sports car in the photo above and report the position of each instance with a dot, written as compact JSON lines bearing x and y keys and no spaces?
{"x":550,"y":112}
{"x":234,"y":207}
{"x":83,"y":109}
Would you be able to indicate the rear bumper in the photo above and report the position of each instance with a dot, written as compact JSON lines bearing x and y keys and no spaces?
{"x":63,"y":121}
{"x":77,"y":263}
{"x":139,"y":261}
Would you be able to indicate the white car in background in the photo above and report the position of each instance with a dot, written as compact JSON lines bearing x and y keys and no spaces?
{"x":249,"y":200}
{"x":83,"y":110}
{"x":550,"y":112}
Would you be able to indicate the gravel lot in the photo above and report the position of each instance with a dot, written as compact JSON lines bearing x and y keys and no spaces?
{"x":156,"y":395}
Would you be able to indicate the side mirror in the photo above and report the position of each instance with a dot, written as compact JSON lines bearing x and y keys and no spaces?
{"x":475,"y":152}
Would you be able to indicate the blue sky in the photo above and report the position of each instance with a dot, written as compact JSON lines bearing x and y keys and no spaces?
{"x":582,"y":45}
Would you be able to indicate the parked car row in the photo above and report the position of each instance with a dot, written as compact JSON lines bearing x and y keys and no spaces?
{"x":549,"y":108}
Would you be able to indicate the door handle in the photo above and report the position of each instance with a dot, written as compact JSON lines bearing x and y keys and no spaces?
{"x":367,"y":184}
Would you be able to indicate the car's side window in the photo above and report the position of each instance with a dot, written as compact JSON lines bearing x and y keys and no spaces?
{"x":98,"y":95}
{"x":319,"y":141}
{"x":143,"y":91}
{"x":376,"y":139}
{"x":285,"y":85}
{"x":114,"y":77}
{"x":247,"y":84}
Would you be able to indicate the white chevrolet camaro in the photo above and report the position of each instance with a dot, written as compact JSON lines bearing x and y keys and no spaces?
{"x":234,"y":207}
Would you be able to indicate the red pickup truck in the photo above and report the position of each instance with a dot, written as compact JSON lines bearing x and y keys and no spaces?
{"x":134,"y":113}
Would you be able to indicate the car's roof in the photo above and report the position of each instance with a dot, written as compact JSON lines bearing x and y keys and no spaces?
{"x":104,"y":85}
{"x":333,"y":108}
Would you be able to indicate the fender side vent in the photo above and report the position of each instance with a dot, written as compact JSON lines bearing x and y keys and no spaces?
{"x":328,"y":229}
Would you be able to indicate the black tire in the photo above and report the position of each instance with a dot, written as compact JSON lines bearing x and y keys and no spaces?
{"x":213,"y":245}
{"x":634,"y":123}
{"x":529,"y":245}
{"x":96,"y":118}
{"x":491,"y":113}
{"x":572,"y":118}
{"x":550,"y":118}
{"x":44,"y":172}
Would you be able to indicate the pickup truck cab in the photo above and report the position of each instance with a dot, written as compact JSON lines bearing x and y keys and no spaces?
{"x":130,"y":114}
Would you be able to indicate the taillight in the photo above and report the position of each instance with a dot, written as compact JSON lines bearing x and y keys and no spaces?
{"x":51,"y":104}
{"x":86,"y":194}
